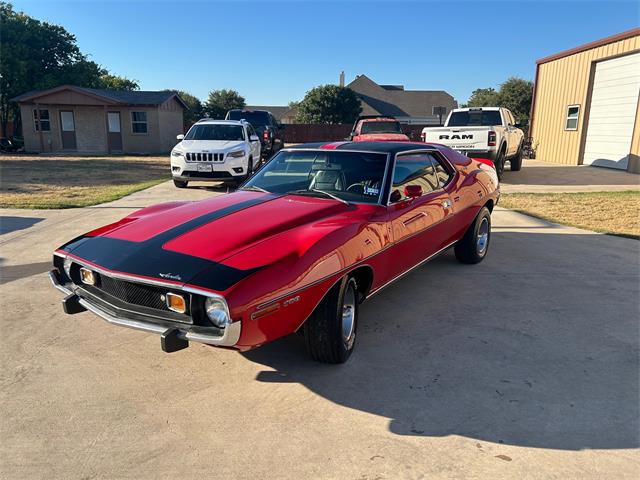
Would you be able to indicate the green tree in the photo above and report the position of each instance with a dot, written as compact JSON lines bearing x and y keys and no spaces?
{"x":114,"y":82}
{"x":329,"y":104}
{"x":220,"y":101}
{"x":483,"y":97}
{"x":516,"y":94}
{"x":39,"y":55}
{"x":195,"y":109}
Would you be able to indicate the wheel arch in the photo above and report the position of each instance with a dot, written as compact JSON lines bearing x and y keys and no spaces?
{"x":363,"y":275}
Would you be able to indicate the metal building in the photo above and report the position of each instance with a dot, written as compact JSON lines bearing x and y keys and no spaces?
{"x":585,"y":104}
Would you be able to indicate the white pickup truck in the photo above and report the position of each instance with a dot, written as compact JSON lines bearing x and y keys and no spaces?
{"x":487,"y":132}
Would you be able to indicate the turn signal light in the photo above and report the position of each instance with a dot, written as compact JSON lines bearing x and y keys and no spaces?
{"x":176,"y":302}
{"x":265,"y":311}
{"x":87,"y":276}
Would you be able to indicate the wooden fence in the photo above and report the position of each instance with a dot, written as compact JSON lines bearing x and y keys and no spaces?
{"x":307,"y":132}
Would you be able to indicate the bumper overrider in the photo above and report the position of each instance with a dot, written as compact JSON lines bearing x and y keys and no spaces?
{"x":134,"y":303}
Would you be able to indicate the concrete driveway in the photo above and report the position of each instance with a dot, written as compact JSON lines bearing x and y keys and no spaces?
{"x":544,"y":177}
{"x":525,"y":366}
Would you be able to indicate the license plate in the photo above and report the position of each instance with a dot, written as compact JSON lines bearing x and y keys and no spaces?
{"x":205,"y":168}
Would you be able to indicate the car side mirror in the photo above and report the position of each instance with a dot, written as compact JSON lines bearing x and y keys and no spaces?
{"x":395,"y":196}
{"x":282,"y":126}
{"x":180,"y":137}
{"x":517,"y":125}
{"x":254,"y":138}
{"x":413,"y":191}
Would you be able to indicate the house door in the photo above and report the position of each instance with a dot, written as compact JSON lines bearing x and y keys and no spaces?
{"x":114,"y":132}
{"x":68,"y":130}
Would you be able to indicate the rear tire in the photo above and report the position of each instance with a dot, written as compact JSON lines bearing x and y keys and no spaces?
{"x":516,"y":161}
{"x":330,"y":332}
{"x":180,"y":183}
{"x":473,"y":246}
{"x":498,"y":163}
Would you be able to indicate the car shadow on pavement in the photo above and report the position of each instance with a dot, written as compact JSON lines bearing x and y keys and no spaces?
{"x":10,"y":224}
{"x":537,"y":346}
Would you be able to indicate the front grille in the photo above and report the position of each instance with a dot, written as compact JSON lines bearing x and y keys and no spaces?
{"x":205,"y":157}
{"x":132,"y":296}
{"x":214,"y":174}
{"x":136,"y":294}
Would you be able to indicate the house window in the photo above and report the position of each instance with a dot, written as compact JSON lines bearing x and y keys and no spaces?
{"x":43,"y":122}
{"x":571,"y":122}
{"x":139,"y":122}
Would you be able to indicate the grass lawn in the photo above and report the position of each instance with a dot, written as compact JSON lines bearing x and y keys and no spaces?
{"x":615,"y":213}
{"x":36,"y":181}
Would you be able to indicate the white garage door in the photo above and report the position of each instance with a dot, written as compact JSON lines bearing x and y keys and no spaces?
{"x":613,"y":112}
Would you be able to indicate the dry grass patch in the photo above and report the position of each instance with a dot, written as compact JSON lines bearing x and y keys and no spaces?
{"x":615,"y":213}
{"x":65,"y":182}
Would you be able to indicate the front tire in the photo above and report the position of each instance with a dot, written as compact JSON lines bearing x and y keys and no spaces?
{"x":330,"y":332}
{"x":180,"y":183}
{"x":473,"y":246}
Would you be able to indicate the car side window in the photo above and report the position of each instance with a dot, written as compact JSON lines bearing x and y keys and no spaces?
{"x":443,"y":174}
{"x":413,"y":171}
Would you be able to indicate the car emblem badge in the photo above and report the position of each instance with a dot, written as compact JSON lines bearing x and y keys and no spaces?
{"x":172,"y":276}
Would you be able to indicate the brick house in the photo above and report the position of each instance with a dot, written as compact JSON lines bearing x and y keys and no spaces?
{"x":70,"y":119}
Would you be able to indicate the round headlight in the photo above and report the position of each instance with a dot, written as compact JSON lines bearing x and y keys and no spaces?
{"x":217,"y":312}
{"x":67,"y":266}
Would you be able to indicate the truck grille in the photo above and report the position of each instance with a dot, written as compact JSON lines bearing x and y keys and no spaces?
{"x":205,"y":157}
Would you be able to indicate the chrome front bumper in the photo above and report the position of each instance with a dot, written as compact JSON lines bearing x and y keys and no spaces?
{"x":230,"y":336}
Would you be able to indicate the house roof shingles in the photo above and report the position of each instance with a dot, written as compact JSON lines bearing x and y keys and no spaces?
{"x":124,"y":97}
{"x":394,"y":100}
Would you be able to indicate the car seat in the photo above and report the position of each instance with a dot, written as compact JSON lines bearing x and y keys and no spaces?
{"x":328,"y":177}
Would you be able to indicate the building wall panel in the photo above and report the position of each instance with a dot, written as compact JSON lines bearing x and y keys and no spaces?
{"x":562,"y":82}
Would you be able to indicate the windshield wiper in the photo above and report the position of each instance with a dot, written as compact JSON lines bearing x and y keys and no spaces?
{"x":315,"y":190}
{"x":255,"y":189}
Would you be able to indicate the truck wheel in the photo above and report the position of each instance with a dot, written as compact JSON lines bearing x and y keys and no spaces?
{"x":473,"y":247}
{"x":516,"y":161}
{"x":330,"y":331}
{"x":498,"y":163}
{"x":180,"y":183}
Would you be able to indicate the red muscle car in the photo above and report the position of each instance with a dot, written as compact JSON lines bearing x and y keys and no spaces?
{"x":377,"y":128}
{"x":315,"y":232}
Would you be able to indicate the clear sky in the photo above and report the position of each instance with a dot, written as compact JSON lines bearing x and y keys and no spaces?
{"x":273,"y":52}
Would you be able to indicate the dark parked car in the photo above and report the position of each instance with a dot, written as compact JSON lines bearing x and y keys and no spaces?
{"x":268,"y":128}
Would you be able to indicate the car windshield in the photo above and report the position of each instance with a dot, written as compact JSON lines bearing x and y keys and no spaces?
{"x":347,"y":176}
{"x":215,"y":131}
{"x":254,"y":118}
{"x":381,"y":127}
{"x":475,"y":118}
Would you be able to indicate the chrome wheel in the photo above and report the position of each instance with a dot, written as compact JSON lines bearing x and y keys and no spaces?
{"x":348,"y":313}
{"x":482,"y":239}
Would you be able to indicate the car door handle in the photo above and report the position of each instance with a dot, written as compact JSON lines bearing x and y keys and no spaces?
{"x":414,"y":218}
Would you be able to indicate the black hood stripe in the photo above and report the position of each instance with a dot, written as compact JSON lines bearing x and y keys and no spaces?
{"x":149,"y":259}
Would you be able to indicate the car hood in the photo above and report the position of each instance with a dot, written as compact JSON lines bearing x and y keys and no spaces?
{"x":381,"y":137}
{"x":187,"y":242}
{"x":208,"y":145}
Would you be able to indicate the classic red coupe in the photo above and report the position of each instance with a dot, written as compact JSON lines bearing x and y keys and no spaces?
{"x":316,"y":231}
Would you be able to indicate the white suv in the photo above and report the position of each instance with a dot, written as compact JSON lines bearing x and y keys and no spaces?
{"x":215,"y":150}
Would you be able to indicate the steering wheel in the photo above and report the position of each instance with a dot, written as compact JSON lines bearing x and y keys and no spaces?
{"x":353,"y":186}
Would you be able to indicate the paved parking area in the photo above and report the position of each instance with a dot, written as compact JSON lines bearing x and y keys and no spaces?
{"x":525,"y":366}
{"x":538,"y":176}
